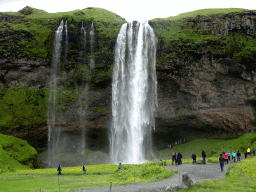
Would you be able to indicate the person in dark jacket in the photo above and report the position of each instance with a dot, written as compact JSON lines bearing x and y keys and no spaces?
{"x":238,"y":156}
{"x":203,"y":155}
{"x":173,"y":157}
{"x":84,"y":169}
{"x":176,"y":160}
{"x":179,"y":156}
{"x":222,"y":161}
{"x":194,"y":158}
{"x":120,"y":166}
{"x":59,"y":170}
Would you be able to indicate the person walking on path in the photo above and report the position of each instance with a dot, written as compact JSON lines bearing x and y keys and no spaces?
{"x":194,"y":158}
{"x":59,"y":170}
{"x":229,"y":155}
{"x":234,"y":156}
{"x":84,"y":169}
{"x":203,"y":155}
{"x":222,"y":161}
{"x":238,"y":156}
{"x":225,"y":156}
{"x":248,"y":151}
{"x":253,"y":151}
{"x":119,"y":166}
{"x":173,"y":157}
{"x":179,"y":156}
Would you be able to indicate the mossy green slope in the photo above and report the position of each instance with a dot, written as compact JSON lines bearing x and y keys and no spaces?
{"x":212,"y":147}
{"x":16,"y":154}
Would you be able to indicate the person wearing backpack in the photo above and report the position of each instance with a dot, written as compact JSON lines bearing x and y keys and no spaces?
{"x":225,"y":156}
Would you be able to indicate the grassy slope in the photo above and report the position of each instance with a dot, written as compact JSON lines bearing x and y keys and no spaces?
{"x":212,"y":147}
{"x":23,"y":155}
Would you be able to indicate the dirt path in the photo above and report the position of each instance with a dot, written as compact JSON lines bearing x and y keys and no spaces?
{"x":196,"y":172}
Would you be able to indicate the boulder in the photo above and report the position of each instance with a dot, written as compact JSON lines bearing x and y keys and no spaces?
{"x":173,"y":187}
{"x":187,"y":180}
{"x":200,"y":161}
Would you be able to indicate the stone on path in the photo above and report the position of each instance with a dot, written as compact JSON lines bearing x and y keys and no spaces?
{"x":200,"y":161}
{"x":172,"y":187}
{"x":187,"y":180}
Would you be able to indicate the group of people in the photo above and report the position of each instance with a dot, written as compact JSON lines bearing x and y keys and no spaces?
{"x":60,"y":170}
{"x":176,"y":157}
{"x":84,"y":169}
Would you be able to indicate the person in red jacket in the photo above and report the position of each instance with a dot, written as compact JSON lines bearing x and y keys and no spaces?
{"x":226,"y":156}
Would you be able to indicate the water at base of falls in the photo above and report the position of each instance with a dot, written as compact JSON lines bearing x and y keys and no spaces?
{"x":134,"y":94}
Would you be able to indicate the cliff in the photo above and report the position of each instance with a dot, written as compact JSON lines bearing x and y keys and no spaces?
{"x":205,"y":69}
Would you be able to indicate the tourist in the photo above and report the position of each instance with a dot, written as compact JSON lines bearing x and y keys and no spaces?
{"x":173,"y":157}
{"x":120,"y":166}
{"x":238,"y":156}
{"x":59,"y":170}
{"x":229,"y":155}
{"x":203,"y":155}
{"x":253,"y":151}
{"x":176,"y":159}
{"x":179,"y":156}
{"x":234,"y":156}
{"x":170,"y":146}
{"x":226,"y":156}
{"x":248,"y":151}
{"x":84,"y":169}
{"x":245,"y":155}
{"x":222,"y":161}
{"x":194,"y":158}
{"x":175,"y":143}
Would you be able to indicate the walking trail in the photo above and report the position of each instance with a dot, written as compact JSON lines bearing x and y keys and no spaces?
{"x":197,"y":172}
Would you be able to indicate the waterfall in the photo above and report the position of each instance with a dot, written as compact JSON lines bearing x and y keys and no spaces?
{"x":134,"y":94}
{"x":66,"y":42}
{"x":83,"y":40}
{"x":92,"y":34}
{"x":53,"y":139}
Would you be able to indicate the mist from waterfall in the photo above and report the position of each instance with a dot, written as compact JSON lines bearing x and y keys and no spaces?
{"x":52,"y":114}
{"x":134,"y":94}
{"x":92,"y":35}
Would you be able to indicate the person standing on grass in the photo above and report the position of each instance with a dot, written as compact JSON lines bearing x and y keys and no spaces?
{"x":176,"y":159}
{"x":222,"y":161}
{"x":173,"y":157}
{"x":225,"y":156}
{"x":59,"y":170}
{"x":84,"y":169}
{"x":238,"y":156}
{"x":234,"y":156}
{"x":253,"y":151}
{"x":120,"y":166}
{"x":194,"y":158}
{"x":203,"y":155}
{"x":179,"y":156}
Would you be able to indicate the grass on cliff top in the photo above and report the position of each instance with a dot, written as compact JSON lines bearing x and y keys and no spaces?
{"x":72,"y":178}
{"x":14,"y":152}
{"x":212,"y":147}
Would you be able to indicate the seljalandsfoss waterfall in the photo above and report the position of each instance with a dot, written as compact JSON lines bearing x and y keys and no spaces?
{"x":134,"y":94}
{"x":60,"y":142}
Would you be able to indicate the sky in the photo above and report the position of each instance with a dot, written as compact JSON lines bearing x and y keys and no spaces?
{"x":140,"y":10}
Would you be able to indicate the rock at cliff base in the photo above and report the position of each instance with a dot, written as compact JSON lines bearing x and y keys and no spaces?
{"x":187,"y":180}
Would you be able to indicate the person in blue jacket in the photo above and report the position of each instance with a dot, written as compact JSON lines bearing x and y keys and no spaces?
{"x":229,"y":155}
{"x":234,"y":156}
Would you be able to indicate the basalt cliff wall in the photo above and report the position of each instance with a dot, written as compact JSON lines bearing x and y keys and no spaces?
{"x":202,"y":91}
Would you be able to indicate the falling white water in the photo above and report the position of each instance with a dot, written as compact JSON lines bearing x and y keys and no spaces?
{"x":66,"y":41}
{"x":92,"y":34}
{"x":83,"y":39}
{"x":51,"y":110}
{"x":134,"y":94}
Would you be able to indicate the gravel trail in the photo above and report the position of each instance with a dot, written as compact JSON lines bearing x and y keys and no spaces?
{"x":197,"y":173}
